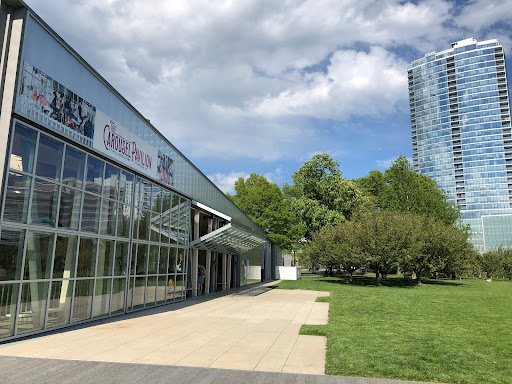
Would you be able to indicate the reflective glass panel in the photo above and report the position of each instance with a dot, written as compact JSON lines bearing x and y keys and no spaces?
{"x":151,"y":291}
{"x":161,"y":289}
{"x":105,"y":258}
{"x":139,"y":292}
{"x":49,"y":157}
{"x":121,"y":258}
{"x":133,"y":259}
{"x":153,"y":259}
{"x":118,"y":291}
{"x":155,"y":227}
{"x":38,"y":257}
{"x":83,"y":300}
{"x":8,"y":302}
{"x":108,"y":217}
{"x":44,"y":203}
{"x":59,"y":308}
{"x":23,"y":149}
{"x":145,"y":197}
{"x":171,"y":287}
{"x":156,"y":199}
{"x":69,"y":210}
{"x":162,"y":263}
{"x":172,"y":260}
{"x":65,"y":256}
{"x":32,"y":307}
{"x":102,"y":297}
{"x":11,"y":253}
{"x":94,"y":177}
{"x":166,"y":200}
{"x":180,"y":261}
{"x":74,"y":165}
{"x":144,"y":219}
{"x":91,"y":213}
{"x":142,"y":259}
{"x":111,"y":181}
{"x":126,"y":187}
{"x":123,"y":220}
{"x":129,"y":298}
{"x":16,"y":199}
{"x":179,"y":289}
{"x":86,"y":257}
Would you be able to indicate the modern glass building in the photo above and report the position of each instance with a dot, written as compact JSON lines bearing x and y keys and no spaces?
{"x":100,"y":214}
{"x":461,"y":134}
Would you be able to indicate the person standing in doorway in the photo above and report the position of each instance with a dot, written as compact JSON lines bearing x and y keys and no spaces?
{"x":201,"y":272}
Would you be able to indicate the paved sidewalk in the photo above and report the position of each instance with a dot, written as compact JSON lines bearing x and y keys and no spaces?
{"x":21,"y":370}
{"x":250,"y":329}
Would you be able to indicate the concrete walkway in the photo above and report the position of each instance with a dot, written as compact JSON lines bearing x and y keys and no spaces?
{"x":255,"y":329}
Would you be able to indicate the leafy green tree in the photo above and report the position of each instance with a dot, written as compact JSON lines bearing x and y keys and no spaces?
{"x":402,"y":189}
{"x":492,"y":262}
{"x":266,"y":205}
{"x":320,"y":196}
{"x":507,"y":263}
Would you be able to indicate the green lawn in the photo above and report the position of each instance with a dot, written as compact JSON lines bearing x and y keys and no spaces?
{"x":445,"y":331}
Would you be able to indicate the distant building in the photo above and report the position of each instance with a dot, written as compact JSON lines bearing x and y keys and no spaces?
{"x":461,"y":135}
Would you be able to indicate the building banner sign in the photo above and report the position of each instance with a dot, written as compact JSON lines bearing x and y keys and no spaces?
{"x":116,"y":141}
{"x":48,"y":102}
{"x":51,"y":104}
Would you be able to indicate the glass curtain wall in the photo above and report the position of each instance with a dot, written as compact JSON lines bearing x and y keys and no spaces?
{"x":66,"y":237}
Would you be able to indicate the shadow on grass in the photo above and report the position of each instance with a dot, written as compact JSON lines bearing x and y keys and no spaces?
{"x":391,"y":281}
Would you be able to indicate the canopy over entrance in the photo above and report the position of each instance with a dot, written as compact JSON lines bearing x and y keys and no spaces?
{"x":228,"y":239}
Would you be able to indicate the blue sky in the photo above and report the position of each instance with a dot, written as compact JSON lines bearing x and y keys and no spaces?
{"x":261,"y":85}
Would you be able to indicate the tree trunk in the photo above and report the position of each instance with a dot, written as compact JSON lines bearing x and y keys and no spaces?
{"x":377,"y":281}
{"x":350,"y":276}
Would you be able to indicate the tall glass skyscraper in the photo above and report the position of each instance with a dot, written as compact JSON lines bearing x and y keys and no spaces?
{"x":461,"y":135}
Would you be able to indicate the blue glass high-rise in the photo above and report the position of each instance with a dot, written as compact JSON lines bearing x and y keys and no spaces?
{"x":461,"y":135}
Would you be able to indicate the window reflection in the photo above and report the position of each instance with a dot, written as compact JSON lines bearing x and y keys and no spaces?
{"x":11,"y":253}
{"x":111,"y":181}
{"x":86,"y":257}
{"x":105,"y":258}
{"x":23,"y":149}
{"x":118,"y":291}
{"x":74,"y":164}
{"x":91,"y":213}
{"x":59,"y":308}
{"x":65,"y":256}
{"x":17,"y":197}
{"x":121,"y":258}
{"x":94,"y":178}
{"x":32,"y":307}
{"x":8,"y":302}
{"x":83,"y":300}
{"x":69,"y":211}
{"x":38,"y":257}
{"x":44,"y":203}
{"x":102,"y":297}
{"x":49,"y":155}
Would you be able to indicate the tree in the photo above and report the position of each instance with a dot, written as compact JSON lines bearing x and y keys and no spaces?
{"x":266,"y":205}
{"x":492,"y":262}
{"x":402,"y":189}
{"x":507,"y":263}
{"x":320,"y":196}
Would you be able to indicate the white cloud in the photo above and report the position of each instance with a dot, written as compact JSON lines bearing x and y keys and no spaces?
{"x":226,"y":182}
{"x":385,"y":163}
{"x":482,"y":14}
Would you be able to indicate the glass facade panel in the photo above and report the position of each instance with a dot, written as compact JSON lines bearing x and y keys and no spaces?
{"x":126,"y":187}
{"x":142,"y":259}
{"x":179,"y":289}
{"x":17,"y":197}
{"x":8,"y":302}
{"x":11,"y":254}
{"x":108,"y":217}
{"x":151,"y":291}
{"x":74,"y":165}
{"x":118,"y":292}
{"x":111,"y":181}
{"x":23,"y":149}
{"x":105,"y":258}
{"x":144,"y":219}
{"x":153,"y":259}
{"x":94,"y":177}
{"x":38,"y":257}
{"x":161,"y":289}
{"x":65,"y":256}
{"x":162,"y":261}
{"x":86,"y":257}
{"x":44,"y":203}
{"x":139,"y":292}
{"x":123,"y":220}
{"x":171,"y":268}
{"x":59,"y":309}
{"x":102,"y":297}
{"x":91,"y":213}
{"x":32,"y":307}
{"x":49,"y":158}
{"x":70,"y":206}
{"x":121,"y":258}
{"x":83,"y":300}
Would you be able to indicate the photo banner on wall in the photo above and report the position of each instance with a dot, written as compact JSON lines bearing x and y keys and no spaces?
{"x":43,"y":99}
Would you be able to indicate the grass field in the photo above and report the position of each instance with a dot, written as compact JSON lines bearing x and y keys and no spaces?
{"x":444,"y":331}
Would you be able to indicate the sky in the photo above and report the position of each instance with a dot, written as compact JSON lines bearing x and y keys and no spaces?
{"x":263,"y":85}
